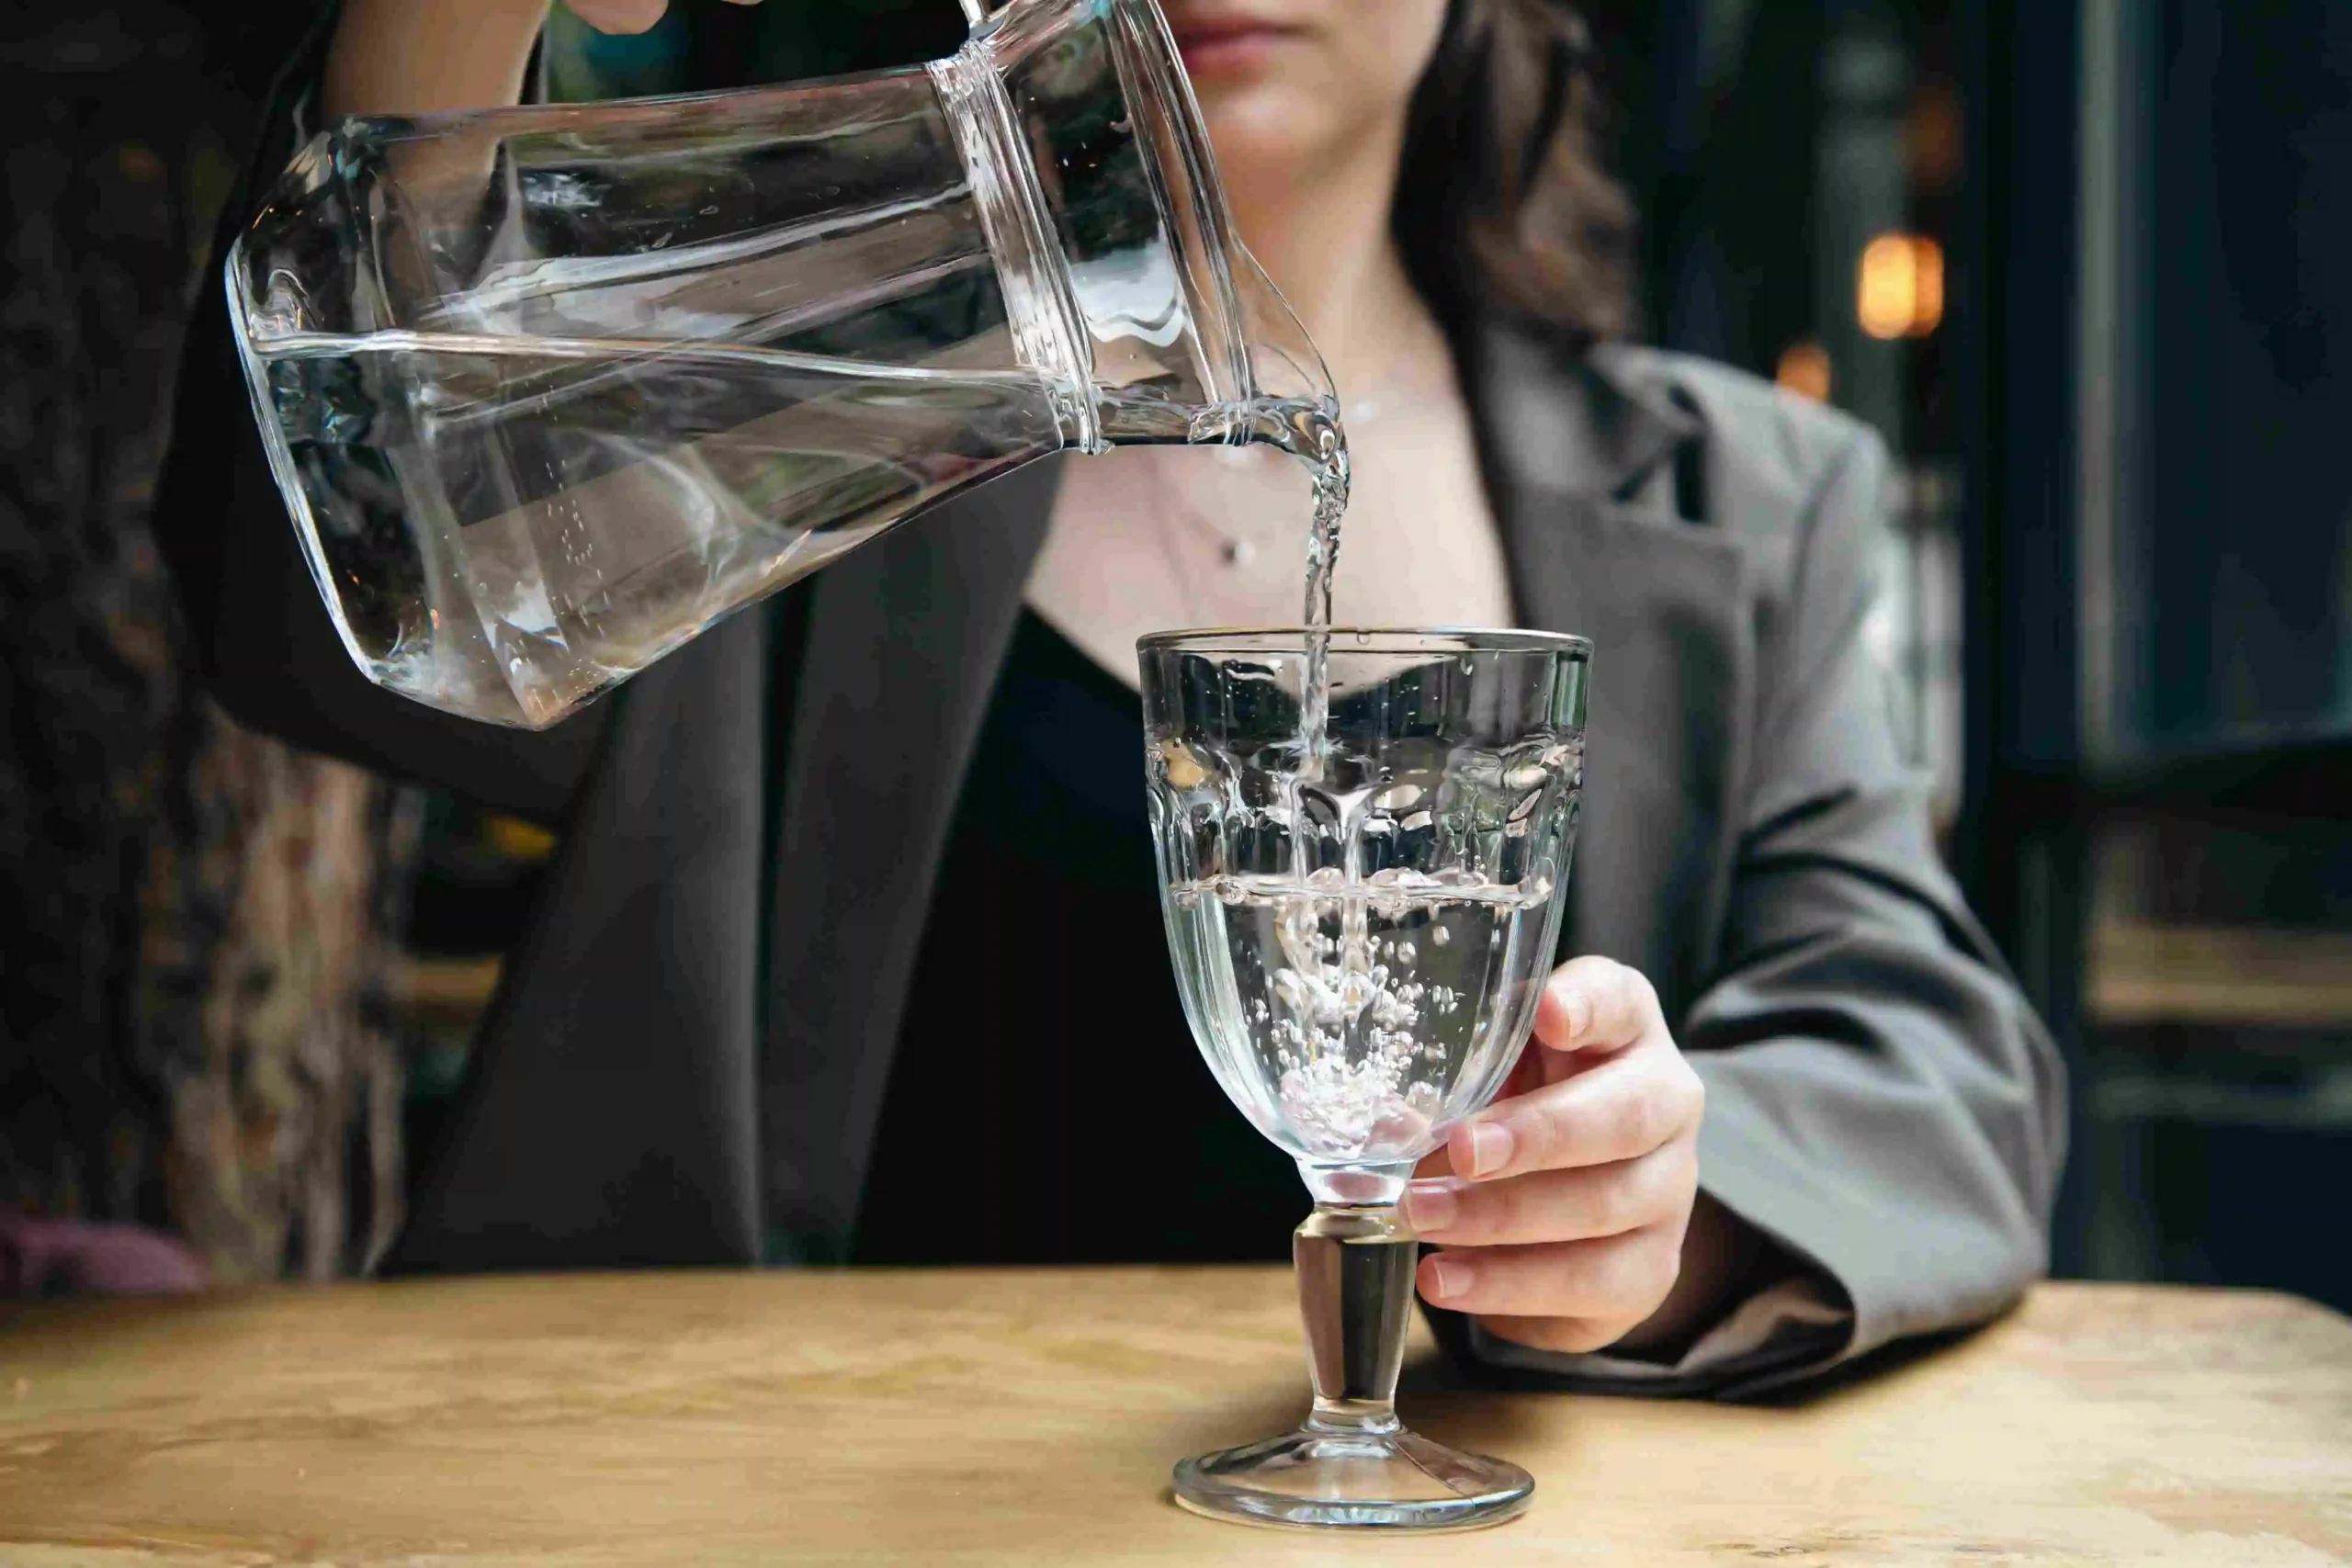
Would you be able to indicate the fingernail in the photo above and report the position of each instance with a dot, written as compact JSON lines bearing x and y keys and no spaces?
{"x":1429,"y":1206}
{"x":1450,"y":1277}
{"x":1490,"y":1148}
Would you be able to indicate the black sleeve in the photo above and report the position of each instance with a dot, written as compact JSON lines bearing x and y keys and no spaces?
{"x":268,"y":651}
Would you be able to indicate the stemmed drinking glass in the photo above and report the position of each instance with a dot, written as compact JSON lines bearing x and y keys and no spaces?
{"x":1362,"y":912}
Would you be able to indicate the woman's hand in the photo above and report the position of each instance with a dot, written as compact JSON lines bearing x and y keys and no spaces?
{"x":1563,"y":1207}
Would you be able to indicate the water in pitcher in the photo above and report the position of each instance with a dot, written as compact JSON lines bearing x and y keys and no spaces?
{"x":593,"y":504}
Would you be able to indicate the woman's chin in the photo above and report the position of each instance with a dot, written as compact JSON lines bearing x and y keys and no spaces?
{"x":1266,"y":125}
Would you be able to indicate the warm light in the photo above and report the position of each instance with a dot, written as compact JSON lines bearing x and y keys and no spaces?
{"x":518,"y":840}
{"x":1805,"y":370}
{"x":1901,"y":291}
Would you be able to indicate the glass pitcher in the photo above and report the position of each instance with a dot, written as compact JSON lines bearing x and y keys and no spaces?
{"x":549,"y":390}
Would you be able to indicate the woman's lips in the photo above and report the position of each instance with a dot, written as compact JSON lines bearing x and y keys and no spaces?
{"x":1222,"y":48}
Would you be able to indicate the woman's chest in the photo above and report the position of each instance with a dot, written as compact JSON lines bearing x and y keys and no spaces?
{"x":1146,"y":540}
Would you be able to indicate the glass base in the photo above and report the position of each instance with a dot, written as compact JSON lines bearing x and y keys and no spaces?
{"x":1354,"y":1479}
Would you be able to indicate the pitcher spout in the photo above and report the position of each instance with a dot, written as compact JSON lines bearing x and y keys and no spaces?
{"x":1285,"y":368}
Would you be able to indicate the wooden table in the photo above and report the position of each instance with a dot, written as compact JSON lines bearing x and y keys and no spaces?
{"x":1025,"y":1418}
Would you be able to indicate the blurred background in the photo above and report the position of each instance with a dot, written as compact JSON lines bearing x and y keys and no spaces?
{"x":2085,"y":264}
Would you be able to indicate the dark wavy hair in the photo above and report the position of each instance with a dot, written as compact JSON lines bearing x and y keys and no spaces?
{"x":1502,"y":203}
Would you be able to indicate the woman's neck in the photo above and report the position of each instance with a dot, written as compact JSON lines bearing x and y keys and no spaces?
{"x":1323,"y":236}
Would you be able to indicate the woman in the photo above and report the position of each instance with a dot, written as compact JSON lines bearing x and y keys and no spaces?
{"x":777,"y":1001}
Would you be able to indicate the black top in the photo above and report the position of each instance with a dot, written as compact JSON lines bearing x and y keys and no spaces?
{"x":1044,"y":1005}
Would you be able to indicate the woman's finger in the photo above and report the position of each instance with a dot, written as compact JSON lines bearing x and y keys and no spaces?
{"x":1619,"y":1110}
{"x":1526,"y":1074}
{"x":1618,"y":1277}
{"x":1595,"y":1004}
{"x":619,"y":15}
{"x":1567,"y":1335}
{"x":1557,"y":1205}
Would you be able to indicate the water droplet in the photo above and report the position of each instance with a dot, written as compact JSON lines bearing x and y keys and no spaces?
{"x":1439,"y":936}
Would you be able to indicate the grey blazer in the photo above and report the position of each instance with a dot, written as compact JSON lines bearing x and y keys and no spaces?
{"x":687,"y":1059}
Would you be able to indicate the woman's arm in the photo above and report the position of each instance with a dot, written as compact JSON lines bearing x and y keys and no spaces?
{"x":420,"y":56}
{"x":1884,"y":1115}
{"x":1882,"y":1098}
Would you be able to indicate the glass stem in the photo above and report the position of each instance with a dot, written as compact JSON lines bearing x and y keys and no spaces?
{"x":1355,"y":1291}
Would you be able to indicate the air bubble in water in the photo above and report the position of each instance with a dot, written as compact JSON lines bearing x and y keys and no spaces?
{"x":1334,"y":1029}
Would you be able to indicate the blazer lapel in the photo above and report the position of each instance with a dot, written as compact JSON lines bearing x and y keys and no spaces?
{"x":903,"y":643}
{"x":1581,"y":472}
